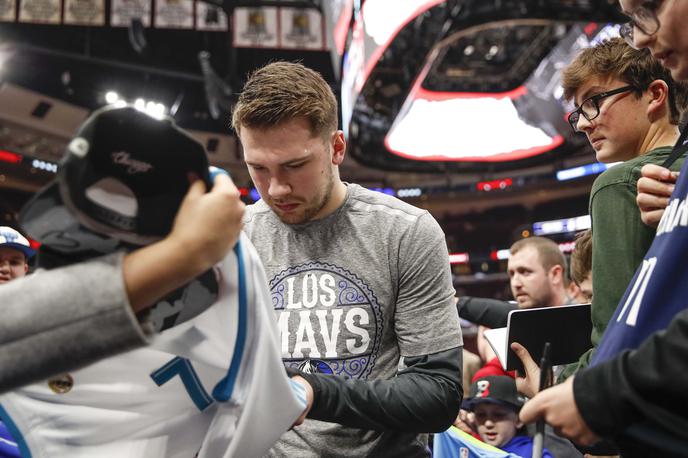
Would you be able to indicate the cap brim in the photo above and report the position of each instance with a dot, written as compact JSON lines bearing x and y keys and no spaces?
{"x":28,"y":251}
{"x":47,"y":220}
{"x":470,"y":403}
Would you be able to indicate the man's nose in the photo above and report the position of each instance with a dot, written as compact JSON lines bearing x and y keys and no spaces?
{"x":583,"y":124}
{"x":278,"y":188}
{"x":640,"y":39}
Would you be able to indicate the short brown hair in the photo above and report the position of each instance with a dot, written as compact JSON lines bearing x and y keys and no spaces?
{"x":614,"y":58}
{"x":282,"y":91}
{"x":548,"y":251}
{"x":581,"y":258}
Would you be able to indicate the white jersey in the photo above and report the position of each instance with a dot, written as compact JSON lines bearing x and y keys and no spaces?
{"x":213,"y":386}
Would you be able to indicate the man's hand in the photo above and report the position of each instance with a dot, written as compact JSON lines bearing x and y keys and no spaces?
{"x":530,"y":384}
{"x":309,"y":398}
{"x":558,"y":408}
{"x":654,"y":189}
{"x":207,"y":225}
{"x":466,"y":422}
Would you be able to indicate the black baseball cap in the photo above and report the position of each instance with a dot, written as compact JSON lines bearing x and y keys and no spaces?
{"x":119,"y":184}
{"x":496,"y":389}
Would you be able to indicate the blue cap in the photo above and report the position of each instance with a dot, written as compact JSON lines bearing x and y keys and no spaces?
{"x":10,"y":238}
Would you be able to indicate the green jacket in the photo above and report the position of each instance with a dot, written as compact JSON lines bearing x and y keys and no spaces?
{"x":619,"y":240}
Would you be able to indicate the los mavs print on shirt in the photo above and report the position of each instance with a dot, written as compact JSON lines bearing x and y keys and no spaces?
{"x":329,"y":320}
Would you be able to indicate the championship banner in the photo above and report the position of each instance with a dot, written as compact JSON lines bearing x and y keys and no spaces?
{"x":255,"y":27}
{"x":173,"y":14}
{"x":40,"y":11}
{"x":123,"y":11}
{"x":8,"y":10}
{"x":301,"y":28}
{"x":84,"y":12}
{"x":210,"y":17}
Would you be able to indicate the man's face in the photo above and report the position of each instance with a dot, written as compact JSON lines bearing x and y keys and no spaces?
{"x":497,"y":424}
{"x":530,"y":282}
{"x":618,"y":132}
{"x":293,"y":170}
{"x":12,"y":264}
{"x":585,"y":286}
{"x":670,"y":43}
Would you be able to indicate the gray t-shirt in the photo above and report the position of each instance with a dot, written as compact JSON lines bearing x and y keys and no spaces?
{"x":353,"y":293}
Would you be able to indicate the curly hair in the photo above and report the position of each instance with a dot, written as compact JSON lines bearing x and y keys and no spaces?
{"x":581,"y":258}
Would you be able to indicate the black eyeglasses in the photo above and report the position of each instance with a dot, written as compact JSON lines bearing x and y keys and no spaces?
{"x":644,"y":18}
{"x":590,"y":107}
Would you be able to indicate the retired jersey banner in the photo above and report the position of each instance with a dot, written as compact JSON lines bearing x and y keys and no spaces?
{"x":84,"y":12}
{"x":40,"y":11}
{"x":210,"y":17}
{"x":301,"y":28}
{"x":123,"y":11}
{"x":8,"y":10}
{"x":174,"y":14}
{"x":256,"y":27}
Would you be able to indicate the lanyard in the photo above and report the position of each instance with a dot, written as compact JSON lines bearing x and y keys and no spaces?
{"x":678,"y":150}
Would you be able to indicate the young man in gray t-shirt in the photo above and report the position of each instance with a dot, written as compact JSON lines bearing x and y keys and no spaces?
{"x":360,"y":281}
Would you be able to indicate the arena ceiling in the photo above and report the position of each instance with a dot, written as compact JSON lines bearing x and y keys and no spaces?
{"x":53,"y":75}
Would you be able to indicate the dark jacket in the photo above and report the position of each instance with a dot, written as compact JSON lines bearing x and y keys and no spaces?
{"x":638,"y":399}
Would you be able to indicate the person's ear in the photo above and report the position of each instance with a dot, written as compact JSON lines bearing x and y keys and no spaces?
{"x":26,"y":267}
{"x":338,"y":147}
{"x":573,"y":289}
{"x":556,"y":274}
{"x":658,"y":92}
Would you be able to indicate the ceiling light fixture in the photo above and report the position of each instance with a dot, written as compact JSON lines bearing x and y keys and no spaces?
{"x":111,"y":97}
